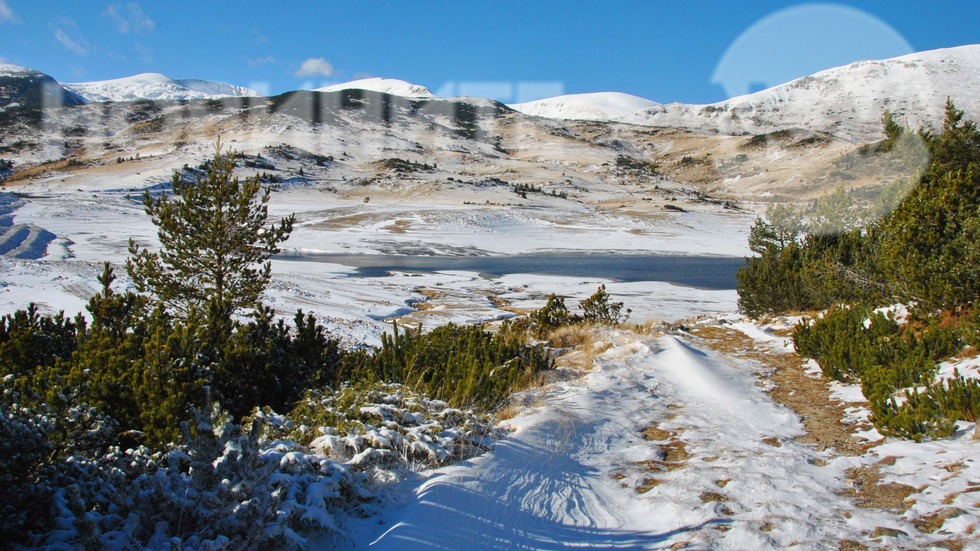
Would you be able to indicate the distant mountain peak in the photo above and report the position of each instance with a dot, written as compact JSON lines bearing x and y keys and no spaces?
{"x":155,"y":86}
{"x":592,"y":106}
{"x":391,"y":86}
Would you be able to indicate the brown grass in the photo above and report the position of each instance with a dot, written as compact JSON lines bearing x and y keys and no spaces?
{"x":648,"y":484}
{"x":968,"y":351}
{"x":21,"y":176}
{"x":883,"y":531}
{"x":867,"y":492}
{"x":347,"y":221}
{"x":657,"y":434}
{"x":583,"y":340}
{"x":507,"y":412}
{"x":930,"y":523}
{"x":400,"y":226}
{"x":430,"y":294}
{"x":708,"y":497}
{"x":673,"y":455}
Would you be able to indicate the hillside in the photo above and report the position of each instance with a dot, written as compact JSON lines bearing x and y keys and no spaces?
{"x":21,"y":87}
{"x":844,"y":101}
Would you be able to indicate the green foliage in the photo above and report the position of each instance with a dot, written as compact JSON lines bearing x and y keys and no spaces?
{"x":215,"y":243}
{"x":772,"y":281}
{"x":146,"y":370}
{"x":856,"y":344}
{"x":395,"y":423}
{"x":552,"y":315}
{"x":37,"y":440}
{"x":893,"y":130}
{"x":463,"y":366}
{"x":267,"y":363}
{"x":598,"y":309}
{"x":932,"y":411}
{"x":922,"y":249}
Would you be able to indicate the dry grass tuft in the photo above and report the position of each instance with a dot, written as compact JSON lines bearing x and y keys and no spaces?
{"x":708,"y":497}
{"x":931,"y":523}
{"x":584,"y":342}
{"x":883,"y":531}
{"x":657,"y":434}
{"x":868,"y":493}
{"x":400,"y":226}
{"x":648,"y":484}
{"x":572,"y":336}
{"x":507,"y":412}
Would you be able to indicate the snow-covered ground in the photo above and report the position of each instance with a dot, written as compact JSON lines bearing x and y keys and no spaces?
{"x":668,"y":445}
{"x":665,"y":444}
{"x":91,"y":219}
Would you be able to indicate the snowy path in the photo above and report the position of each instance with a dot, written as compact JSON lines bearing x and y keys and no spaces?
{"x":722,"y":472}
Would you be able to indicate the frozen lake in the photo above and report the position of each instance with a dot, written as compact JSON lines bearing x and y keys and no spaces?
{"x":703,"y":272}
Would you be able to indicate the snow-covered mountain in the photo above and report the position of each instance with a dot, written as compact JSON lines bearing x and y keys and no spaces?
{"x":25,"y":87}
{"x":599,"y":106}
{"x":846,"y":101}
{"x":391,"y":86}
{"x":7,"y":69}
{"x":155,"y":86}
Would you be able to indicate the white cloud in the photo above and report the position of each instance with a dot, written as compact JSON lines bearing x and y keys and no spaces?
{"x":129,"y":19}
{"x":315,"y":66}
{"x":6,"y":14}
{"x":74,"y":44}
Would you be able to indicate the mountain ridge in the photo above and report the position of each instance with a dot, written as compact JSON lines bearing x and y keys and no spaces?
{"x":155,"y":86}
{"x":849,"y":99}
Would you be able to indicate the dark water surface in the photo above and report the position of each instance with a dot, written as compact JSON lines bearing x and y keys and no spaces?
{"x":704,"y":272}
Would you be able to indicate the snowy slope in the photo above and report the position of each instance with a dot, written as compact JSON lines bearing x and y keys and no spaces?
{"x":8,"y":69}
{"x":846,"y":101}
{"x":720,"y":470}
{"x":597,"y":106}
{"x":155,"y":86}
{"x":391,"y":86}
{"x":25,"y":87}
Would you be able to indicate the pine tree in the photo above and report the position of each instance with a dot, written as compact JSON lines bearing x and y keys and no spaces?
{"x":215,"y":243}
{"x":598,"y":309}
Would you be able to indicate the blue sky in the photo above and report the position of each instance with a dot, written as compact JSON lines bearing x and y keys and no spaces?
{"x":665,"y":51}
